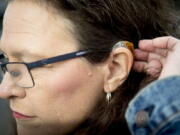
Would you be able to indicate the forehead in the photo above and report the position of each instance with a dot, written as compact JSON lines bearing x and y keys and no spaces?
{"x":26,"y":13}
{"x":27,"y":23}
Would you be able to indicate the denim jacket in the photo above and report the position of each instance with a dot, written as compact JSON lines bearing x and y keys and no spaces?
{"x":155,"y":110}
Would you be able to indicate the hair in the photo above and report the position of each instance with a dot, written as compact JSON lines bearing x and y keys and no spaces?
{"x":99,"y":24}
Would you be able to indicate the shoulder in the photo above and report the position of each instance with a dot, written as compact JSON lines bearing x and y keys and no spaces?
{"x":156,"y":108}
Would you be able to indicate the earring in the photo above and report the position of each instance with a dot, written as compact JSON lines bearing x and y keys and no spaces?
{"x":108,"y":97}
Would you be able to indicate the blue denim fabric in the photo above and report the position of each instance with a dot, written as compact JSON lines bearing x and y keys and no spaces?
{"x":155,"y":110}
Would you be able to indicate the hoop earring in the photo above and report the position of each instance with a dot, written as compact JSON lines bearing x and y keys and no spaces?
{"x":108,"y":97}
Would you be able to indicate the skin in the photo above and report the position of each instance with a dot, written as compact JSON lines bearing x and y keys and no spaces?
{"x":65,"y":92}
{"x":158,"y":57}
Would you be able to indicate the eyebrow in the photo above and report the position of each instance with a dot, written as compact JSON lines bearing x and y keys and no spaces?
{"x":20,"y":55}
{"x":17,"y":55}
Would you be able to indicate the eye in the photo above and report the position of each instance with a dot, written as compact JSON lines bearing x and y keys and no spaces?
{"x":15,"y":73}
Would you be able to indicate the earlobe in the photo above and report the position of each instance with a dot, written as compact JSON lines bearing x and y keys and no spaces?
{"x":118,"y":68}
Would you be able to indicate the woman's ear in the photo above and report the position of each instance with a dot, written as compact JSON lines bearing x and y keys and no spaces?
{"x":117,"y":68}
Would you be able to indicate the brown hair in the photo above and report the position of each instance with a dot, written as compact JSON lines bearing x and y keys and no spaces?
{"x":99,"y":24}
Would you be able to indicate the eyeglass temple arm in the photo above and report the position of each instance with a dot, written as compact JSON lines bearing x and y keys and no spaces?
{"x":57,"y":59}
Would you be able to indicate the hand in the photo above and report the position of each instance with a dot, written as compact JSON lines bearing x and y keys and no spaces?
{"x":159,"y":57}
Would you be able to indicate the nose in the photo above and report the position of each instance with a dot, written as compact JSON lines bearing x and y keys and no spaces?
{"x":8,"y":88}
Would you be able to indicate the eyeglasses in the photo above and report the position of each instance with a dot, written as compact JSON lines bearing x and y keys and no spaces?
{"x":20,"y":71}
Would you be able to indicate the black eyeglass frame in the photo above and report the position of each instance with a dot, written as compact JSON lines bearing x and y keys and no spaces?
{"x":43,"y":62}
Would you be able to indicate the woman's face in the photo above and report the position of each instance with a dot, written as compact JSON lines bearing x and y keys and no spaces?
{"x":64,"y":92}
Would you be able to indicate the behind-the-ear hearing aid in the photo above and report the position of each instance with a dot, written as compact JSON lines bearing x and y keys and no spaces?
{"x":125,"y":44}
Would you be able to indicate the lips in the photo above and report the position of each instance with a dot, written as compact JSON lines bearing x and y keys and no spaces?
{"x":18,"y":115}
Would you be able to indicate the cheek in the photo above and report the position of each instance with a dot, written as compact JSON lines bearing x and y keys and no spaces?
{"x":66,"y":83}
{"x":68,"y":94}
{"x":61,"y":90}
{"x":69,"y":81}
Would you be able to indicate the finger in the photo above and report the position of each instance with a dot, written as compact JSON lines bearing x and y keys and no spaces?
{"x":162,"y":42}
{"x":157,"y":57}
{"x":154,"y":68}
{"x":162,"y":52}
{"x":139,"y":66}
{"x":141,"y":55}
{"x":146,"y":45}
{"x":148,"y":56}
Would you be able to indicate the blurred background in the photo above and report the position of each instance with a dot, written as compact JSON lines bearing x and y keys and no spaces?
{"x":177,"y":4}
{"x":3,"y":5}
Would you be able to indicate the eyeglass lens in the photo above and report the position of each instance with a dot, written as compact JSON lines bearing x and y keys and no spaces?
{"x":19,"y":73}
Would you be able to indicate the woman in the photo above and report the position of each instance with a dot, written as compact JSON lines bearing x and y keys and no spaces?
{"x":86,"y":95}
